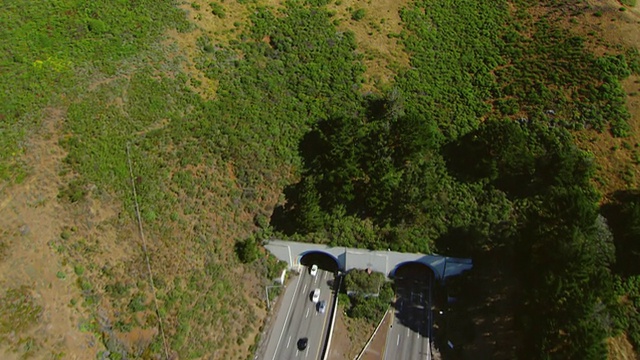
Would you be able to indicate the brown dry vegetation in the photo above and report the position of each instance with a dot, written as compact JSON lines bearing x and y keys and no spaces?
{"x":31,"y":222}
{"x":620,"y":348}
{"x":608,"y":30}
{"x":207,"y":24}
{"x":349,"y":336}
{"x":383,"y":54}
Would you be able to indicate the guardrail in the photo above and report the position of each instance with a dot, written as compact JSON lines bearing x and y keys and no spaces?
{"x":327,"y":344}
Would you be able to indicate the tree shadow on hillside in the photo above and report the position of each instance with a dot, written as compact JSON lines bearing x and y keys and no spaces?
{"x":623,"y":218}
{"x":332,"y":174}
{"x":318,"y":191}
{"x":465,"y":158}
{"x":478,"y":310}
{"x":281,"y":219}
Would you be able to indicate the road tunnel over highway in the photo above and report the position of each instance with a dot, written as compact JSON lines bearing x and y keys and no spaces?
{"x":413,"y":270}
{"x":409,"y":335}
{"x":324,"y":260}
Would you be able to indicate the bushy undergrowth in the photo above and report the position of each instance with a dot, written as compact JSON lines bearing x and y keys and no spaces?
{"x":46,"y":50}
{"x":368,"y":294}
{"x":427,"y":164}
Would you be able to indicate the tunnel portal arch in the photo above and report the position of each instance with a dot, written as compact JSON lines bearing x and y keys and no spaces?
{"x":413,"y":269}
{"x":324,"y":260}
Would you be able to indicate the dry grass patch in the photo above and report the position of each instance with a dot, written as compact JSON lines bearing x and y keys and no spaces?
{"x":350,"y":335}
{"x":38,"y":285}
{"x":383,"y":53}
{"x":219,"y":21}
{"x":617,"y":159}
{"x":620,"y":348}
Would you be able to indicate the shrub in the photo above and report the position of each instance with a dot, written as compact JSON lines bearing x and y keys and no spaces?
{"x":358,"y":14}
{"x":247,"y":250}
{"x":96,"y":26}
{"x":78,"y":269}
{"x":218,"y":10}
{"x":74,"y":192}
{"x":137,"y":303}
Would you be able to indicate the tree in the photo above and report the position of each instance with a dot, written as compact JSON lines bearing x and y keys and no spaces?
{"x":247,"y":250}
{"x":565,"y":251}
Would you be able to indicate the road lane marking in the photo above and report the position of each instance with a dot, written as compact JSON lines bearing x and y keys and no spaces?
{"x":324,"y":323}
{"x":398,"y":341}
{"x":289,"y":342}
{"x":306,"y":316}
{"x":307,"y":352}
{"x":284,"y":326}
{"x":297,"y":352}
{"x":407,"y":332}
{"x":305,"y":289}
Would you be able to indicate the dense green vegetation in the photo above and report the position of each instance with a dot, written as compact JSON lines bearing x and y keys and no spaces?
{"x":49,"y":50}
{"x":361,"y":281}
{"x":419,"y":170}
{"x":365,"y":295}
{"x":466,"y":153}
{"x":624,"y":217}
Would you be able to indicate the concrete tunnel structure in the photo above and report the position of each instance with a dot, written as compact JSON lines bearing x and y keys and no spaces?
{"x":386,"y":262}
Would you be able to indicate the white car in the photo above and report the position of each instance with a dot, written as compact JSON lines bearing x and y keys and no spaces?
{"x":315,"y":295}
{"x":314,"y":270}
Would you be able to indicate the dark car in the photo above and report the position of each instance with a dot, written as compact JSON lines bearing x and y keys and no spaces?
{"x":322,"y":306}
{"x":302,"y":343}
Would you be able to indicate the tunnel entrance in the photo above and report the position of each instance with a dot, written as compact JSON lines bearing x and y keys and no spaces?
{"x":323,"y":260}
{"x":413,"y":272}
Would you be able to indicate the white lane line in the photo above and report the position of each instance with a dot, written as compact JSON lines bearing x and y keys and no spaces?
{"x":289,"y":341}
{"x":398,"y":341}
{"x":297,"y":352}
{"x":305,"y":289}
{"x":286,"y":318}
{"x":325,"y":275}
{"x":407,"y":332}
{"x":324,"y":323}
{"x":306,"y":316}
{"x":307,"y":354}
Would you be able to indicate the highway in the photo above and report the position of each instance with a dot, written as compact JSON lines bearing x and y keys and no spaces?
{"x":410,"y":331}
{"x":302,"y":319}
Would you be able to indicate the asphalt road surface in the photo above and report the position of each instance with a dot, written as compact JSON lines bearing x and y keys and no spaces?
{"x":408,"y":337}
{"x":302,"y":319}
